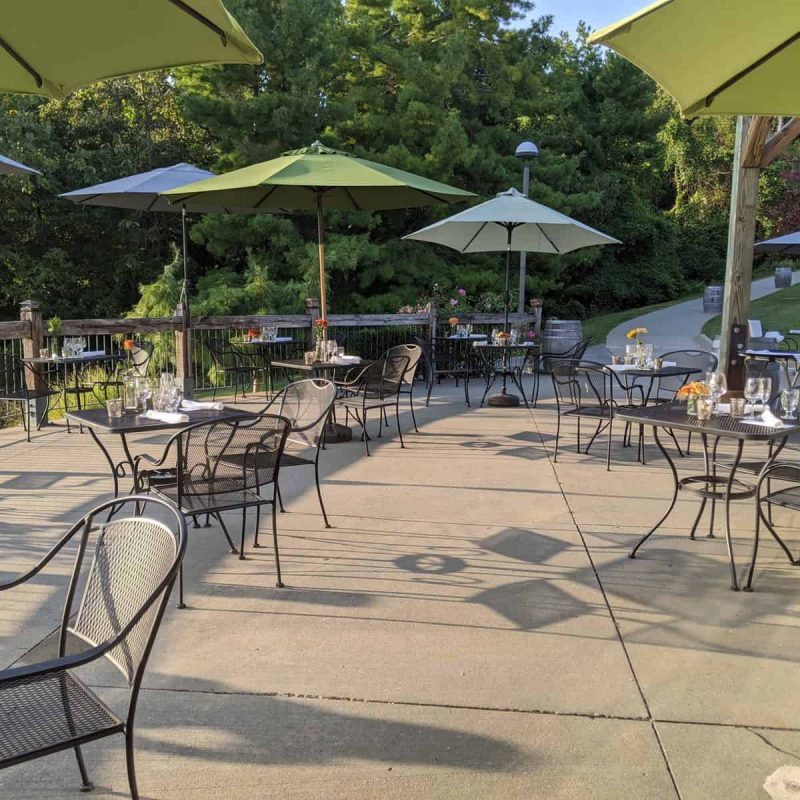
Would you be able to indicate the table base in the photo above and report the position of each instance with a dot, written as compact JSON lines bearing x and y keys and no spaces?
{"x":503,"y":400}
{"x":336,"y":433}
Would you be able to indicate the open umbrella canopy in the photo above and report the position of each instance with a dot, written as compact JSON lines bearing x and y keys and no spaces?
{"x":716,"y":56}
{"x":141,"y":192}
{"x":787,"y":245}
{"x":52,"y":47}
{"x":511,"y":221}
{"x":10,"y":167}
{"x":299,"y":179}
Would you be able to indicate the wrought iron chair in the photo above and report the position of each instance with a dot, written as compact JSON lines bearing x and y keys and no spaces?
{"x":220,"y":466}
{"x":667,"y":388}
{"x":308,"y":406}
{"x":45,"y":707}
{"x":376,"y":387}
{"x":450,"y":358}
{"x":545,"y":360}
{"x":13,"y":389}
{"x":585,"y":390}
{"x":229,"y":363}
{"x":138,"y":363}
{"x":414,"y":354}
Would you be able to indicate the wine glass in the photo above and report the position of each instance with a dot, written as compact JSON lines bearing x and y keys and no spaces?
{"x":717,"y":385}
{"x":751,"y":392}
{"x":144,"y":391}
{"x":764,"y":392}
{"x":789,"y":401}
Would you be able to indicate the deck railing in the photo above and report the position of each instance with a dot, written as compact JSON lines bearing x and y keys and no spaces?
{"x":182,"y":348}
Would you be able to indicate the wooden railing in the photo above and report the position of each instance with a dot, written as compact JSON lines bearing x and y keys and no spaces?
{"x":182,"y":346}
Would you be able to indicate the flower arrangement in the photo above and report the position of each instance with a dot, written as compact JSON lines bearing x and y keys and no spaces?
{"x":530,"y":335}
{"x":635,"y":333}
{"x":127,"y":345}
{"x":322,"y":327}
{"x":453,"y":321}
{"x":694,"y":389}
{"x":253,"y":333}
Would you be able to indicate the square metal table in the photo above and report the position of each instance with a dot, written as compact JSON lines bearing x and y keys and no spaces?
{"x":710,"y":486}
{"x":98,"y":421}
{"x":489,"y":353}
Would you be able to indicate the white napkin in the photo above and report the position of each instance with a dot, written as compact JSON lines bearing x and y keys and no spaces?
{"x":170,"y":417}
{"x":725,"y":408}
{"x":621,"y":367}
{"x":92,"y":353}
{"x":768,"y":420}
{"x":195,"y":405}
{"x":669,"y":363}
{"x":346,"y":360}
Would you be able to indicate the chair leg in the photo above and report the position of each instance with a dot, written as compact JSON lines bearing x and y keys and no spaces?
{"x":411,"y":406}
{"x":466,"y":389}
{"x":364,"y":426}
{"x":608,"y":452}
{"x":258,"y":525}
{"x":181,"y":604}
{"x":280,"y":499}
{"x":225,"y":531}
{"x":558,"y":433}
{"x":131,"y":765}
{"x":380,"y":422}
{"x":278,"y":582}
{"x":319,"y":493}
{"x":86,"y":784}
{"x":244,"y":526}
{"x":397,"y":417}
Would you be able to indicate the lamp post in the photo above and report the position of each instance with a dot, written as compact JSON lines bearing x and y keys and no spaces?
{"x":526,"y":151}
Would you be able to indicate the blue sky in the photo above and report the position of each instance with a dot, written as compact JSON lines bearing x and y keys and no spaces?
{"x":598,"y":13}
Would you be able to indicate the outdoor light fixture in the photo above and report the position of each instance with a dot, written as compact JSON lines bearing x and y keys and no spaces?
{"x":527,"y":151}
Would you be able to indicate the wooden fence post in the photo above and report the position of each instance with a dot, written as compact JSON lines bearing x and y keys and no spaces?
{"x":536,"y":310}
{"x":313,"y":311}
{"x":31,"y":344}
{"x":432,"y":322}
{"x":183,"y":351}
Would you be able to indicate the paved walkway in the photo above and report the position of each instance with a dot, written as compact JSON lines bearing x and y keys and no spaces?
{"x":679,"y":327}
{"x":470,"y":627}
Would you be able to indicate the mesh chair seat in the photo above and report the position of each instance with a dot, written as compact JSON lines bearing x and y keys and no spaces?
{"x":21,"y":395}
{"x":43,"y":712}
{"x":216,"y":499}
{"x":785,"y":498}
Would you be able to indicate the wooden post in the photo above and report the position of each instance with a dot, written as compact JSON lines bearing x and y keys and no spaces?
{"x":31,"y":344}
{"x":433,"y":321}
{"x":313,"y":311}
{"x":183,"y":351}
{"x":536,"y":310}
{"x":751,"y":134}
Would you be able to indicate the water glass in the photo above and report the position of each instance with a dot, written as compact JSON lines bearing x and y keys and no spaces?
{"x":114,"y":407}
{"x":309,"y":357}
{"x":737,"y":407}
{"x":751,"y":393}
{"x":717,"y":383}
{"x":789,"y":401}
{"x":144,"y":392}
{"x":332,"y":348}
{"x":44,"y":353}
{"x":764,"y":391}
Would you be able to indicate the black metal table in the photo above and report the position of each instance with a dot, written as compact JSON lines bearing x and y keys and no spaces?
{"x":624,"y":372}
{"x":98,"y":421}
{"x":75,"y":362}
{"x":710,"y":485}
{"x":489,"y":353}
{"x":783,"y":357}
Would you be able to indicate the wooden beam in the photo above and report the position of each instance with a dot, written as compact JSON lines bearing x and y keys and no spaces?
{"x":779,"y":141}
{"x":753,"y":150}
{"x":741,"y":232}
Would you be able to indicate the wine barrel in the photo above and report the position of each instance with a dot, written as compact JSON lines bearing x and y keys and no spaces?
{"x":783,"y":277}
{"x":712,"y":299}
{"x":560,"y":336}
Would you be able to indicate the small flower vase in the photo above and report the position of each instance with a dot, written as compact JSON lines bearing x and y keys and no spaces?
{"x":691,"y":405}
{"x":641,"y":357}
{"x":319,"y":351}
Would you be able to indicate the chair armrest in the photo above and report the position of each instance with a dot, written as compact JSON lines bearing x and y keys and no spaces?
{"x":54,"y":665}
{"x":155,"y":462}
{"x":793,"y":468}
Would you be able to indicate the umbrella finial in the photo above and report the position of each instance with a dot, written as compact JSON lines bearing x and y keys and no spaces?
{"x":512,"y":192}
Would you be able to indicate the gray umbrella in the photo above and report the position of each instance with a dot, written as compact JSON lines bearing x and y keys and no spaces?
{"x":10,"y":167}
{"x":788,"y":245}
{"x":142,"y":193}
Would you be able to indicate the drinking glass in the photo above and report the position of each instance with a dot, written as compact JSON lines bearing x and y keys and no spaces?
{"x":144,"y":392}
{"x":717,"y":385}
{"x":751,"y":392}
{"x":789,"y":401}
{"x":114,"y":407}
{"x":332,"y":348}
{"x":764,"y":392}
{"x":44,"y":352}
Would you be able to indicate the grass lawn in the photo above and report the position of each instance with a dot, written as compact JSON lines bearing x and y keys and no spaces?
{"x":779,"y":311}
{"x":599,"y":327}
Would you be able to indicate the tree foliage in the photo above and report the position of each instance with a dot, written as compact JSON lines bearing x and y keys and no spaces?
{"x":443,"y":88}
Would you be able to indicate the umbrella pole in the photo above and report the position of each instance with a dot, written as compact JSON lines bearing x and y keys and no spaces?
{"x":323,"y":301}
{"x":504,"y":398}
{"x":185,"y":286}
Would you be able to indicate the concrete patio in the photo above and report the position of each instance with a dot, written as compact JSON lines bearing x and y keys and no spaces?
{"x":470,"y":627}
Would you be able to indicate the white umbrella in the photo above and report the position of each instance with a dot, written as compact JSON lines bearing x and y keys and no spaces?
{"x":10,"y":167}
{"x":511,"y":222}
{"x":788,"y":245}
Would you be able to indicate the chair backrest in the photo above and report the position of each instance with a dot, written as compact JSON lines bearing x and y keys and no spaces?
{"x":452,"y":355}
{"x":229,"y":456}
{"x":127,"y":583}
{"x":307,"y":405}
{"x":382,"y":379}
{"x":224,"y":355}
{"x":704,"y":360}
{"x":413,"y":352}
{"x":565,"y":382}
{"x":140,"y":357}
{"x":549,"y":359}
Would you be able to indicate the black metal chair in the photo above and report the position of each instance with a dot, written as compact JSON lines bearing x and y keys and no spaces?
{"x":138,"y":363}
{"x":452,"y":358}
{"x":414,"y":354}
{"x":376,"y":387}
{"x":308,"y":406}
{"x":220,"y":466}
{"x":229,"y":363}
{"x":13,"y":389}
{"x":666,"y":389}
{"x":45,"y":707}
{"x":545,"y":360}
{"x":585,"y":390}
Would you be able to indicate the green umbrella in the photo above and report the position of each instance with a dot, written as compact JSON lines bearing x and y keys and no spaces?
{"x":316,"y":178}
{"x":52,"y":47}
{"x":730,"y":57}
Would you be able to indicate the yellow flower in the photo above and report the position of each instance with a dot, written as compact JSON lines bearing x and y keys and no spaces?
{"x":635,"y":333}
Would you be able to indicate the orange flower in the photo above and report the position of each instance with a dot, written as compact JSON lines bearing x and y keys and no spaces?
{"x":253,"y":333}
{"x":453,"y":320}
{"x":694,"y":389}
{"x":127,"y":344}
{"x":322,"y":323}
